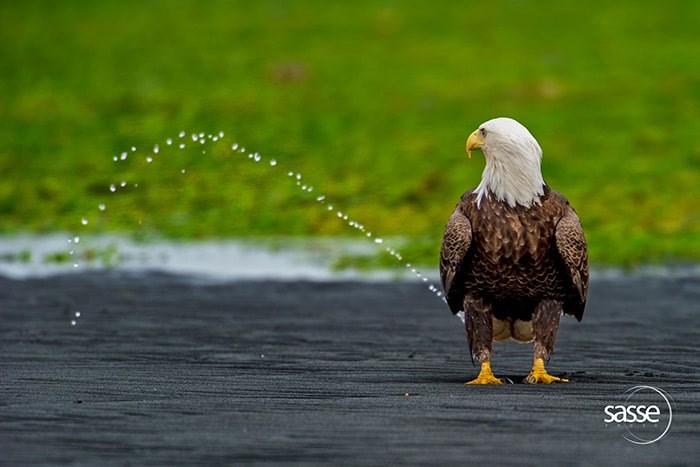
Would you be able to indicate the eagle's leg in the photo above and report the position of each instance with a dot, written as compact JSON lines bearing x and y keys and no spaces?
{"x":545,"y":324}
{"x":479,"y":328}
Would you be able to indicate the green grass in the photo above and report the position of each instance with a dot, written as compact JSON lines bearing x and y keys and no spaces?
{"x":370,"y":100}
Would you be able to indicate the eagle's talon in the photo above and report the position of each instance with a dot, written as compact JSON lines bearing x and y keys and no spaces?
{"x":486,"y":376}
{"x":485,"y":380}
{"x":545,"y":378}
{"x":538,"y":375}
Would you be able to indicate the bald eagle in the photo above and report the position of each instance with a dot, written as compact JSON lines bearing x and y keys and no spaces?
{"x":513,"y":256}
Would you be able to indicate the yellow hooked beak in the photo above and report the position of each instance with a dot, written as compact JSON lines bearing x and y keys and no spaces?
{"x":474,"y":142}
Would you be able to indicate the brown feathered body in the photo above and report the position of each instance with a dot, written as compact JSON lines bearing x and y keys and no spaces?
{"x":514,"y":270}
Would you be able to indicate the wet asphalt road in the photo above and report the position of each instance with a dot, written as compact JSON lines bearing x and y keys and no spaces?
{"x":169,"y":370}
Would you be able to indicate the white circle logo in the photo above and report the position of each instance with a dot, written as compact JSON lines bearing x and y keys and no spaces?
{"x":646,"y":414}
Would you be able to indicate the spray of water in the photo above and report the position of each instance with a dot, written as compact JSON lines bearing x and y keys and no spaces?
{"x":238,"y":150}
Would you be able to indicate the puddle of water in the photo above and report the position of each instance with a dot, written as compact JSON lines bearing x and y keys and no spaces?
{"x":275,"y":259}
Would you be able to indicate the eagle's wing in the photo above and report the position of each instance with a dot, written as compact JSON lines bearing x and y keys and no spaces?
{"x":571,"y":245}
{"x":455,"y":244}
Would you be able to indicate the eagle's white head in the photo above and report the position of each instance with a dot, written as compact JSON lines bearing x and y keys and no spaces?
{"x":512,"y":173}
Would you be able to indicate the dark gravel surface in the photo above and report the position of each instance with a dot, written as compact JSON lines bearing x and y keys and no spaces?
{"x":170,"y":370}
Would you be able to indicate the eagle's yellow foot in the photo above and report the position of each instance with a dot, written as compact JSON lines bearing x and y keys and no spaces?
{"x":485,"y":376}
{"x":538,"y":375}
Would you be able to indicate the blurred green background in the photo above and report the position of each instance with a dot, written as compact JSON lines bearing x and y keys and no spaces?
{"x":370,"y":100}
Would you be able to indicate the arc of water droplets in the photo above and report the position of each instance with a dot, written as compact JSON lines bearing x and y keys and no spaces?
{"x":321,"y":199}
{"x":73,"y":241}
{"x":201,"y":138}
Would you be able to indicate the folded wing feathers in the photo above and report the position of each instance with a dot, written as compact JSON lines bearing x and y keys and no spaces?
{"x":571,"y":245}
{"x":455,"y":244}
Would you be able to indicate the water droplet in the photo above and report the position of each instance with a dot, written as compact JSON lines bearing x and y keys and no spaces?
{"x":250,"y":155}
{"x":182,"y":145}
{"x":273,"y":162}
{"x":320,"y":198}
{"x":181,"y":134}
{"x":133,"y":148}
{"x":76,"y":239}
{"x":340,"y":214}
{"x":75,"y":265}
{"x":201,"y":135}
{"x":77,"y":314}
{"x":221,"y":134}
{"x":101,"y":207}
{"x":256,"y":157}
{"x":84,"y":221}
{"x":304,"y":187}
{"x":290,"y":174}
{"x":124,"y":156}
{"x":156,"y":149}
{"x":115,"y":158}
{"x":369,"y":234}
{"x":112,"y":188}
{"x":123,"y":183}
{"x":330,"y":207}
{"x":242,"y":149}
{"x":298,"y":176}
{"x":182,"y":171}
{"x":378,"y":241}
{"x":73,"y":322}
{"x":194,"y":137}
{"x":169,"y":141}
{"x":310,"y":189}
{"x":425,"y":279}
{"x":215,"y":138}
{"x":234,"y":146}
{"x":149,"y":159}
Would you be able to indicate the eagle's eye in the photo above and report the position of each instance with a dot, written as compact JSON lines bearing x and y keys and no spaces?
{"x":482,"y":130}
